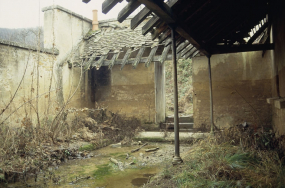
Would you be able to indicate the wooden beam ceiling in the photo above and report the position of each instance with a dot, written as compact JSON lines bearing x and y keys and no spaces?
{"x":108,"y":5}
{"x":165,"y":13}
{"x":128,"y":9}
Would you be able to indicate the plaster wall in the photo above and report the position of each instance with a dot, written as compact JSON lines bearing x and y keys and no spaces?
{"x":65,"y":30}
{"x":279,"y":63}
{"x":20,"y":81}
{"x":130,"y":92}
{"x":241,"y":83}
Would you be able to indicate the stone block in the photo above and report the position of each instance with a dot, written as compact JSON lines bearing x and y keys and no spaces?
{"x":271,"y":100}
{"x":279,"y":103}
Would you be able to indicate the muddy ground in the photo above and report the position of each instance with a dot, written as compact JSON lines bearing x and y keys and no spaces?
{"x":95,"y":169}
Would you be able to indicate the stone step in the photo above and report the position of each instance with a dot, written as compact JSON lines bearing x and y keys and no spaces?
{"x":161,"y":137}
{"x":181,"y":125}
{"x":182,"y":119}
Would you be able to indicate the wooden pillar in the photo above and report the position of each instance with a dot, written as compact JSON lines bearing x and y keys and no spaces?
{"x":177,"y":159}
{"x":211,"y":95}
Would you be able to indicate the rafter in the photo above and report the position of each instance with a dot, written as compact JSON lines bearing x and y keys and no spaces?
{"x":165,"y":13}
{"x":151,"y":55}
{"x":144,"y":13}
{"x":108,"y":5}
{"x":139,"y":56}
{"x":126,"y":57}
{"x":114,"y":58}
{"x":127,"y":10}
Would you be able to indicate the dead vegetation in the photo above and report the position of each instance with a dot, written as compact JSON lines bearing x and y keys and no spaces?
{"x":236,"y":157}
{"x":28,"y":149}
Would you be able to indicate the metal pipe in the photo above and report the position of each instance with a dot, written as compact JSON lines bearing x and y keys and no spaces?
{"x":211,"y":96}
{"x":177,"y":159}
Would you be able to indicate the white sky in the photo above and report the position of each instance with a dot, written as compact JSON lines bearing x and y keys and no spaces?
{"x":28,"y":13}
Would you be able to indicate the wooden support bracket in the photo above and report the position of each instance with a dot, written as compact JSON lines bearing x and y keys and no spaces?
{"x":114,"y":58}
{"x":126,"y":57}
{"x":164,"y":53}
{"x":138,"y":58}
{"x":151,"y":55}
{"x":100,"y":62}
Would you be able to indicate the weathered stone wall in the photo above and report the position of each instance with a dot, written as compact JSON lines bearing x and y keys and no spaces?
{"x":279,"y":63}
{"x":65,"y":30}
{"x":129,"y":91}
{"x":241,"y":83}
{"x":19,"y":80}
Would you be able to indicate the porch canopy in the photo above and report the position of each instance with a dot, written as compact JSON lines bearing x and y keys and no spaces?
{"x":205,"y":26}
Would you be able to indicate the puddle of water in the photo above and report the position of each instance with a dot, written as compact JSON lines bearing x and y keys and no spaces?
{"x":101,"y":171}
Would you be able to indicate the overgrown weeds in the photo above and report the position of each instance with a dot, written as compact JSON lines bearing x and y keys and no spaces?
{"x":230,"y":159}
{"x":28,"y":149}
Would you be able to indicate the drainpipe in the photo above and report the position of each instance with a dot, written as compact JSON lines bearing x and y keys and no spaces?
{"x":95,"y":22}
{"x":177,"y":159}
{"x":211,"y":96}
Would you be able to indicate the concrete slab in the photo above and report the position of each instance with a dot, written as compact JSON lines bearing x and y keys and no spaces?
{"x":169,"y":136}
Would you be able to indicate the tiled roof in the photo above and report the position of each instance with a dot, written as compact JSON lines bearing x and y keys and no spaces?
{"x":113,"y":39}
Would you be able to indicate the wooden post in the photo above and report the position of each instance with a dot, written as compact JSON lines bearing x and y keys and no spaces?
{"x":177,"y":159}
{"x":211,"y":96}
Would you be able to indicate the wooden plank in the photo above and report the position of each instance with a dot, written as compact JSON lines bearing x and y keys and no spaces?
{"x":164,"y":36}
{"x":114,"y":58}
{"x":182,"y":46}
{"x":107,"y":5}
{"x":164,"y":53}
{"x":241,"y":48}
{"x":165,"y":13}
{"x":139,"y":18}
{"x":190,"y":53}
{"x":151,"y":55}
{"x":158,"y":30}
{"x":100,"y":62}
{"x":187,"y":49}
{"x":126,"y":57}
{"x":154,"y":21}
{"x":254,"y":37}
{"x":138,"y":58}
{"x":127,"y":10}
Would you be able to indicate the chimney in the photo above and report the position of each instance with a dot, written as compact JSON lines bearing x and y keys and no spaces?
{"x":95,"y":21}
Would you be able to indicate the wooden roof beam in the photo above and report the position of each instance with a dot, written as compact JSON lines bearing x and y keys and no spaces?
{"x":99,"y":63}
{"x":187,"y":49}
{"x":108,"y":5}
{"x":165,"y":13}
{"x":126,"y":57}
{"x":223,"y":49}
{"x":164,"y":53}
{"x":156,"y":32}
{"x":151,"y":55}
{"x":127,"y":10}
{"x":139,"y":18}
{"x":254,"y":37}
{"x":138,"y":58}
{"x":155,"y":20}
{"x":182,"y":46}
{"x":114,"y":58}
